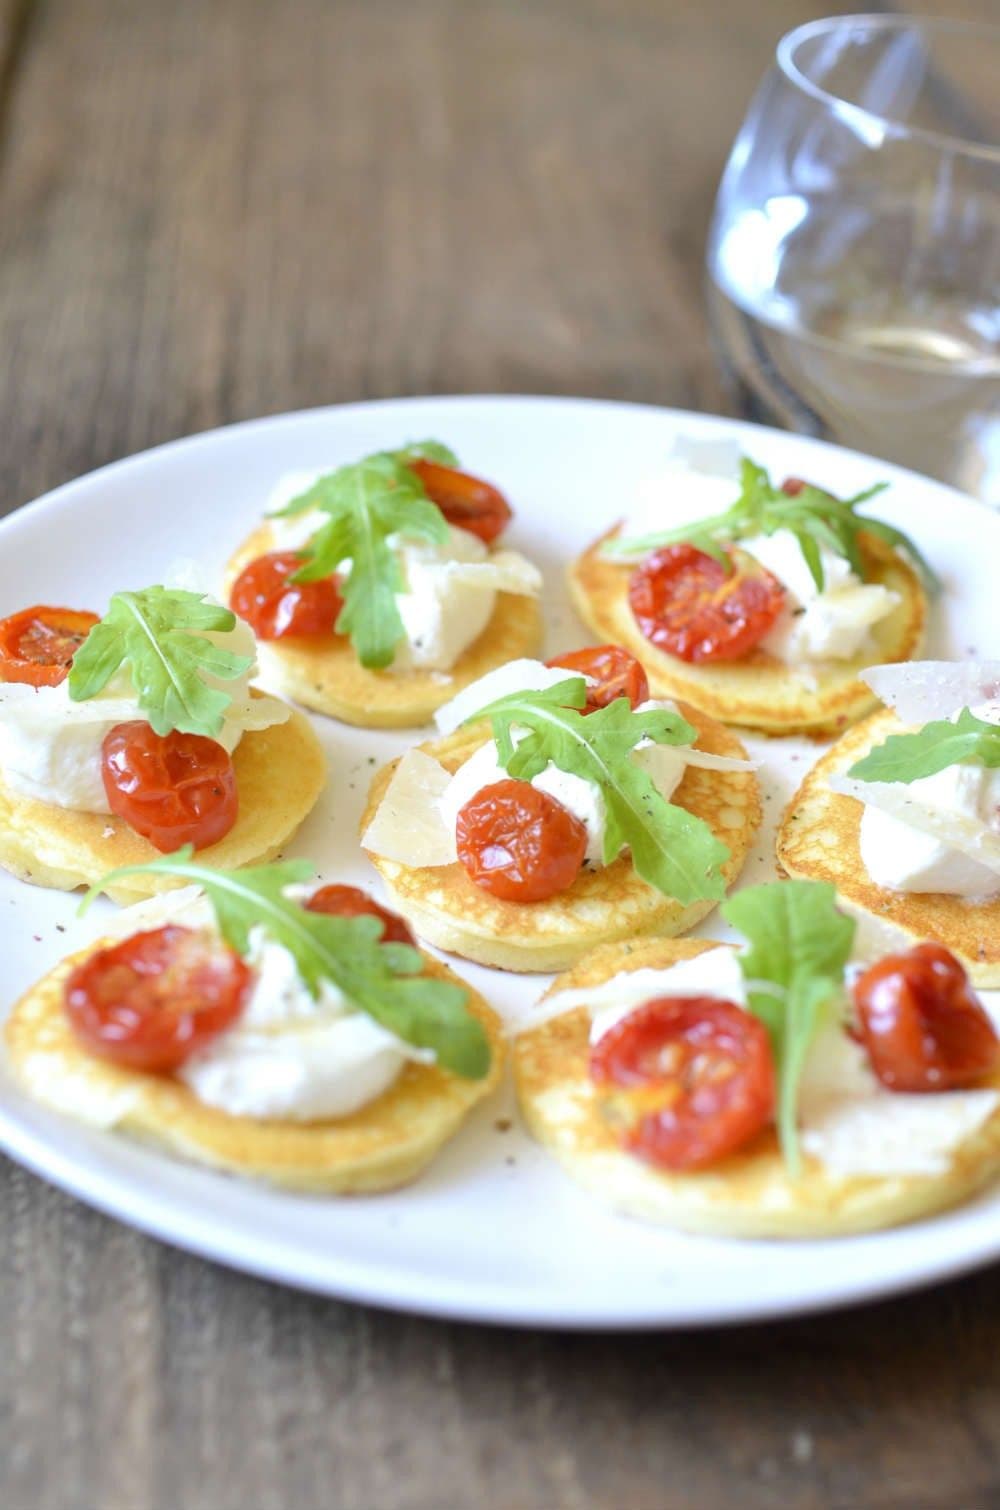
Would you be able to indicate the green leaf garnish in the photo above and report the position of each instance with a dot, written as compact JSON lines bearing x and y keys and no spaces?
{"x":794,"y":971}
{"x":909,"y":757}
{"x":383,"y":980}
{"x":671,"y":848}
{"x":815,"y":517}
{"x":367,"y":502}
{"x":426,"y":450}
{"x":161,"y":633}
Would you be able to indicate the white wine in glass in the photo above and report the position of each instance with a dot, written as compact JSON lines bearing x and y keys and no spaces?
{"x":854,"y":258}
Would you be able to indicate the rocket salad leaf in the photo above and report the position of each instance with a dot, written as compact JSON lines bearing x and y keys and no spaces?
{"x":909,"y":757}
{"x":794,"y":969}
{"x":816,"y":518}
{"x":671,"y":848}
{"x":161,"y":633}
{"x":383,"y":980}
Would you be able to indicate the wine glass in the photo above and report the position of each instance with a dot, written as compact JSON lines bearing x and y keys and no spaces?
{"x":854,"y":257}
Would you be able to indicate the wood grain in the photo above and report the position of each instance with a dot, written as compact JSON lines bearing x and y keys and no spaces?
{"x":210,"y":211}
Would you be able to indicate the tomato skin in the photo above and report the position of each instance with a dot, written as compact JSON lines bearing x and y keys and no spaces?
{"x":691,"y":606}
{"x":154,"y":999}
{"x":616,"y":673}
{"x":922,"y":1024}
{"x":275,"y":607}
{"x":173,"y":789}
{"x":690,"y":1079}
{"x":352,"y":902}
{"x":793,"y":486}
{"x":37,"y":645}
{"x":519,"y":844}
{"x":465,"y":501}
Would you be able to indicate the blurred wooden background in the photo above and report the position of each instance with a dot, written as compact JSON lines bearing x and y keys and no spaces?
{"x":211,"y":209}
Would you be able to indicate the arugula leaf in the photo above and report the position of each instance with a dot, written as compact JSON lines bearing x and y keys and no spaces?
{"x":426,"y":450}
{"x":368,"y":502}
{"x":383,"y":980}
{"x":160,"y":632}
{"x":671,"y":848}
{"x":794,"y":968}
{"x":909,"y":757}
{"x":815,"y":517}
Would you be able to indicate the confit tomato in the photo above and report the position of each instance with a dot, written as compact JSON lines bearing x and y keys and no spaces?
{"x":688,"y":1080}
{"x":38,"y":644}
{"x":172,"y":788}
{"x":352,"y":902}
{"x":464,"y":500}
{"x":922,"y":1024}
{"x":615,"y":672}
{"x":519,"y":844}
{"x":691,"y":606}
{"x":152,"y":1000}
{"x":793,"y":486}
{"x":275,"y":607}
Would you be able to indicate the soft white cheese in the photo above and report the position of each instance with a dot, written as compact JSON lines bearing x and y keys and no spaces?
{"x":449,"y":590}
{"x":903,"y":858}
{"x":50,"y":747}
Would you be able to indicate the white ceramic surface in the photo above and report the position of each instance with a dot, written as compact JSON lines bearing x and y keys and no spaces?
{"x":494,"y":1231}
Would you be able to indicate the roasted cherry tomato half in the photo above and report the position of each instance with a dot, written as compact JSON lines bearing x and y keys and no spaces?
{"x":692,"y":606}
{"x":793,"y":486}
{"x":519,"y":844}
{"x":465,"y":501}
{"x":688,"y":1080}
{"x":615,"y":672}
{"x":172,"y":788}
{"x":275,"y":607}
{"x":154,"y":999}
{"x":922,"y":1024}
{"x":38,"y":644}
{"x":352,"y":902}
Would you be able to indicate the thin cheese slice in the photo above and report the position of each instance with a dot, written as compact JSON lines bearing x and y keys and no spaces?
{"x":517,"y":676}
{"x":921,"y":691}
{"x":408,"y":826}
{"x":504,"y":571}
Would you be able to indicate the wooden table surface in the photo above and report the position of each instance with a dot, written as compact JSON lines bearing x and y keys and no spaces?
{"x":211,"y":209}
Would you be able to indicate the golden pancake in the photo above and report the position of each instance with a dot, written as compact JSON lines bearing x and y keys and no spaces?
{"x":324,"y":672}
{"x":759,"y":691}
{"x":605,"y":904}
{"x":748,"y":1194}
{"x":280,"y":773}
{"x":819,"y":840}
{"x":383,"y":1145}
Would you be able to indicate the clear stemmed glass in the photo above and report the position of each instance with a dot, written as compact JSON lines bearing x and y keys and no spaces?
{"x":854,"y":257}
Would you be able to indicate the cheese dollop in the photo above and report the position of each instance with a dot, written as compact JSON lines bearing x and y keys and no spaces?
{"x":449,"y":590}
{"x":50,"y":747}
{"x":289,"y":1056}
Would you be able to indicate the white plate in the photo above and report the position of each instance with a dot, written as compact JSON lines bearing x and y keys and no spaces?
{"x":494,"y":1231}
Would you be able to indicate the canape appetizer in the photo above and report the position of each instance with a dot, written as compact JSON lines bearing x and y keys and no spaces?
{"x":902,"y":813}
{"x":262,"y":1027}
{"x":559,"y":810}
{"x":126,"y":736}
{"x":761,"y":604}
{"x":377,"y":590}
{"x":770,"y":1090}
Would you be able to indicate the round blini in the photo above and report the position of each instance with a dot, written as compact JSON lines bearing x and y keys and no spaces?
{"x":759,"y":691}
{"x":280,"y":773}
{"x":748,"y":1194}
{"x":384,"y":1144}
{"x":819,"y":840}
{"x":324,"y":673}
{"x":449,"y":910}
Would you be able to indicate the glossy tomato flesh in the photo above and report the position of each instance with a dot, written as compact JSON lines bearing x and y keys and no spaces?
{"x":352,"y":902}
{"x":615,"y":672}
{"x":38,"y":644}
{"x":275,"y":607}
{"x":691,"y":606}
{"x":154,"y":999}
{"x":688,"y":1080}
{"x":172,"y":788}
{"x":464,"y":500}
{"x":519,"y":844}
{"x":922,"y":1024}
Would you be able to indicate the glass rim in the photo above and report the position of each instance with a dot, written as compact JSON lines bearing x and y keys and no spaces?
{"x":848,"y":110}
